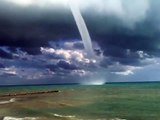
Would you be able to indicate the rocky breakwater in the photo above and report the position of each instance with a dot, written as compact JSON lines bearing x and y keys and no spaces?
{"x":30,"y":93}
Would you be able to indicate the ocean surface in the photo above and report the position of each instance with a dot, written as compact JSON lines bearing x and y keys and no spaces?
{"x":120,"y":101}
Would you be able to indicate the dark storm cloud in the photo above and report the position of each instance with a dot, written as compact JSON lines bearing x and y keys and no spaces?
{"x":32,"y":51}
{"x":52,"y":67}
{"x":6,"y":55}
{"x":129,"y":40}
{"x":66,"y":65}
{"x":78,"y":45}
{"x":125,"y":56}
{"x":34,"y":27}
{"x":61,"y":66}
{"x":2,"y":66}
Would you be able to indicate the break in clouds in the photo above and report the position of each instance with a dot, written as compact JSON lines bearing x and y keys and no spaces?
{"x":40,"y":42}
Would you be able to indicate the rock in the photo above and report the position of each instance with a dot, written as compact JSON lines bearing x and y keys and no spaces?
{"x":30,"y":93}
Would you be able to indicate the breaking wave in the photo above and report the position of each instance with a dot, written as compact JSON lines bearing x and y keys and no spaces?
{"x":8,"y":101}
{"x":14,"y":118}
{"x":58,"y":116}
{"x":64,"y":116}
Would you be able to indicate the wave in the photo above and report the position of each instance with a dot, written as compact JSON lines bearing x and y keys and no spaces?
{"x":63,"y":116}
{"x":25,"y":118}
{"x":70,"y":117}
{"x":118,"y":119}
{"x":8,"y":101}
{"x":58,"y":116}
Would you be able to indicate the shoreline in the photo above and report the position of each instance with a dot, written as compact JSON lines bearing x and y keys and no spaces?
{"x":29,"y":93}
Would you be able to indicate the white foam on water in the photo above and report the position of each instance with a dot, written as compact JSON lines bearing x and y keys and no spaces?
{"x":104,"y":119}
{"x":14,"y":118}
{"x":64,"y":116}
{"x":8,"y":101}
{"x":118,"y":119}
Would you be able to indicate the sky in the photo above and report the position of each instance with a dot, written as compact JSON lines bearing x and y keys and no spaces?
{"x":40,"y":42}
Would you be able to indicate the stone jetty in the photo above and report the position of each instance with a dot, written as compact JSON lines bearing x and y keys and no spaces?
{"x":29,"y":93}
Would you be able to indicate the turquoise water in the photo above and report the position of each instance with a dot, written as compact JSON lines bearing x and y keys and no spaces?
{"x":130,"y":101}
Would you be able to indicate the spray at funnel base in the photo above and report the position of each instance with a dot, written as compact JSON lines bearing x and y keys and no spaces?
{"x":82,"y":29}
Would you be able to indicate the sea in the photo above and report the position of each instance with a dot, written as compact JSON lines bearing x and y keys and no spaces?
{"x":113,"y":101}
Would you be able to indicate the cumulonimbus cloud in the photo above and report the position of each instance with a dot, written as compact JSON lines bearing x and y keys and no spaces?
{"x":129,"y":11}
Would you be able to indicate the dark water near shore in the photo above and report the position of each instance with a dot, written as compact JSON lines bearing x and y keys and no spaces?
{"x":129,"y":101}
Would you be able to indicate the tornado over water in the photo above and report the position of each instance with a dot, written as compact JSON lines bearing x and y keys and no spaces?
{"x":82,"y":29}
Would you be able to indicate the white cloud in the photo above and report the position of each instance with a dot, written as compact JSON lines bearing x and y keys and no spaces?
{"x":142,"y":54}
{"x":26,"y":73}
{"x":125,"y":73}
{"x":70,"y":55}
{"x":8,"y":71}
{"x":120,"y":69}
{"x":21,"y":2}
{"x":128,"y":11}
{"x":150,"y":61}
{"x":47,"y":50}
{"x":134,"y":11}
